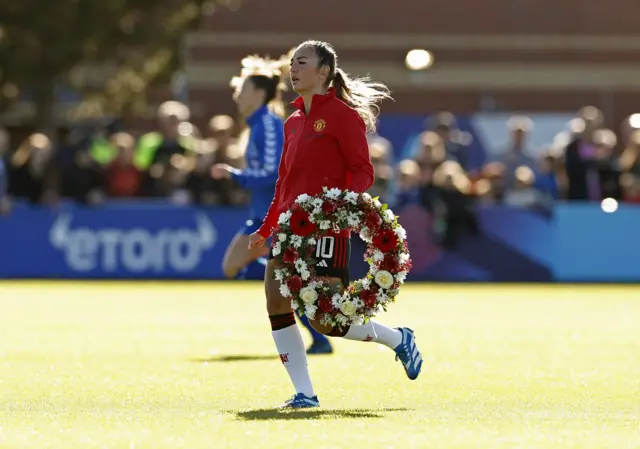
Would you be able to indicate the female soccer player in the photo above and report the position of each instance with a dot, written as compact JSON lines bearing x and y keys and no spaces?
{"x":258,"y":92}
{"x":325,"y":145}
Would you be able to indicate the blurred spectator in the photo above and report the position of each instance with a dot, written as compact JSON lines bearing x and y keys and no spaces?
{"x":456,"y":143}
{"x":383,"y":172}
{"x":82,"y":181}
{"x":630,"y":185}
{"x":629,"y":126}
{"x":546,"y":179}
{"x":629,"y":161}
{"x":591,"y":174}
{"x":516,"y":154}
{"x":408,"y":183}
{"x":452,"y":205}
{"x":225,"y":151}
{"x":156,"y":149}
{"x":492,"y":183}
{"x":523,"y":193}
{"x":202,"y":186}
{"x":32,"y":175}
{"x":122,"y":179}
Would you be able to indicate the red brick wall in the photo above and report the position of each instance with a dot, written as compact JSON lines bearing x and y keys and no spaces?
{"x":468,"y":17}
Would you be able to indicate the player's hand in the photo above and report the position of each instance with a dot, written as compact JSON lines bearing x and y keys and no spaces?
{"x":256,"y":240}
{"x":221,"y":171}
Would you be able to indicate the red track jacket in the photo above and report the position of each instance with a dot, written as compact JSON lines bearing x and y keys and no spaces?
{"x":328,"y":148}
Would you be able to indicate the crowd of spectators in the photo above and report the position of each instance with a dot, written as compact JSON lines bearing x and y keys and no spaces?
{"x":587,"y":162}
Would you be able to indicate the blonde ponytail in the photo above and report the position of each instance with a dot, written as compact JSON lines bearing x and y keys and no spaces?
{"x":361,"y":94}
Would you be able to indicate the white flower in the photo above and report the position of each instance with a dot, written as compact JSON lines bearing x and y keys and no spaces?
{"x":336,"y":300}
{"x":300,"y":265}
{"x":312,"y":219}
{"x":326,"y":320}
{"x":348,"y":308}
{"x":388,"y":216}
{"x":378,"y":255}
{"x":284,"y":218}
{"x":280,"y":274}
{"x":366,"y":197}
{"x":276,"y":249}
{"x":342,"y":320}
{"x":312,"y":241}
{"x":305,"y":274}
{"x":302,"y":198}
{"x":296,"y":241}
{"x":351,"y":197}
{"x":324,"y":225}
{"x":382,"y":298}
{"x":365,"y":234}
{"x":358,"y":302}
{"x":310,"y":310}
{"x":317,"y":203}
{"x":377,"y":204}
{"x":403,"y":257}
{"x":400,"y":277}
{"x":353,"y":219}
{"x":384,"y":279}
{"x":366,"y":283}
{"x":282,"y":237}
{"x":333,"y":194}
{"x":284,"y":290}
{"x":401,"y":233}
{"x":308,"y":295}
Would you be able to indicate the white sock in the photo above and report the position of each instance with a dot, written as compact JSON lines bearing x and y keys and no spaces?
{"x":294,"y":358}
{"x":374,"y":331}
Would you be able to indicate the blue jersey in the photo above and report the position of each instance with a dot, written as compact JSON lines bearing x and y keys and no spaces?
{"x":263,"y":157}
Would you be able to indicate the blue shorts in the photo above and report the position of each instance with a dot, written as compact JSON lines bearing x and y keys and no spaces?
{"x":251,"y":226}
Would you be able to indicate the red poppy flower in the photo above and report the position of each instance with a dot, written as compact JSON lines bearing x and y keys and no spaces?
{"x":390,"y":263}
{"x":290,"y":255}
{"x":369,"y":298}
{"x":328,"y":207}
{"x":373,"y":220}
{"x":300,"y":224}
{"x":325,"y":304}
{"x":385,"y":240}
{"x":294,"y":283}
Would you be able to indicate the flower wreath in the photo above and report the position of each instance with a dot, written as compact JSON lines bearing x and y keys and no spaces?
{"x":299,"y":237}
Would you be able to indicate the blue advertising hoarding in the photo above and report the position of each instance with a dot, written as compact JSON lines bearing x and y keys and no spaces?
{"x":576,"y":242}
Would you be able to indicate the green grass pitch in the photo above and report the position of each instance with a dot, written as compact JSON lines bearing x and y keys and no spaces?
{"x":193,"y":365}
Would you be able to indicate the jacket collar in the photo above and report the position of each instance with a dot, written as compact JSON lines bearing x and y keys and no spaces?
{"x":257,"y":116}
{"x":298,"y":103}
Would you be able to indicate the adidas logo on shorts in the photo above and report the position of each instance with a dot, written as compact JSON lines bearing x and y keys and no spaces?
{"x":322,"y":263}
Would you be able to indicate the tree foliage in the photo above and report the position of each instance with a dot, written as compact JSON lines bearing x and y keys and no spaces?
{"x":133,"y":44}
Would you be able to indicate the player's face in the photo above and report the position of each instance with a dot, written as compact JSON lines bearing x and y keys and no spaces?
{"x":305,"y":74}
{"x":248,"y":98}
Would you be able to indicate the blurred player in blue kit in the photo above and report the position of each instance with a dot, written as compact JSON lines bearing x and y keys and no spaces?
{"x":257,"y":92}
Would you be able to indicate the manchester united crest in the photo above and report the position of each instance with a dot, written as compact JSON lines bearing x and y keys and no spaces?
{"x":319,"y":125}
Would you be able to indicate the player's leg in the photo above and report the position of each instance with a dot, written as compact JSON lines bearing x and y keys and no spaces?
{"x":239,"y":260}
{"x":289,"y":344}
{"x":320,"y":343}
{"x":335,"y":255}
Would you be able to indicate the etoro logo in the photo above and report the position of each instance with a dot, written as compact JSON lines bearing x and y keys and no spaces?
{"x":137,"y":250}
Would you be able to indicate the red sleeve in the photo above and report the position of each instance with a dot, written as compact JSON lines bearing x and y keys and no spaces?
{"x":352,"y":138}
{"x":271,"y":220}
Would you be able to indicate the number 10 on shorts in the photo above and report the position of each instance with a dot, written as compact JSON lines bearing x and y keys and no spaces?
{"x":325,"y":247}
